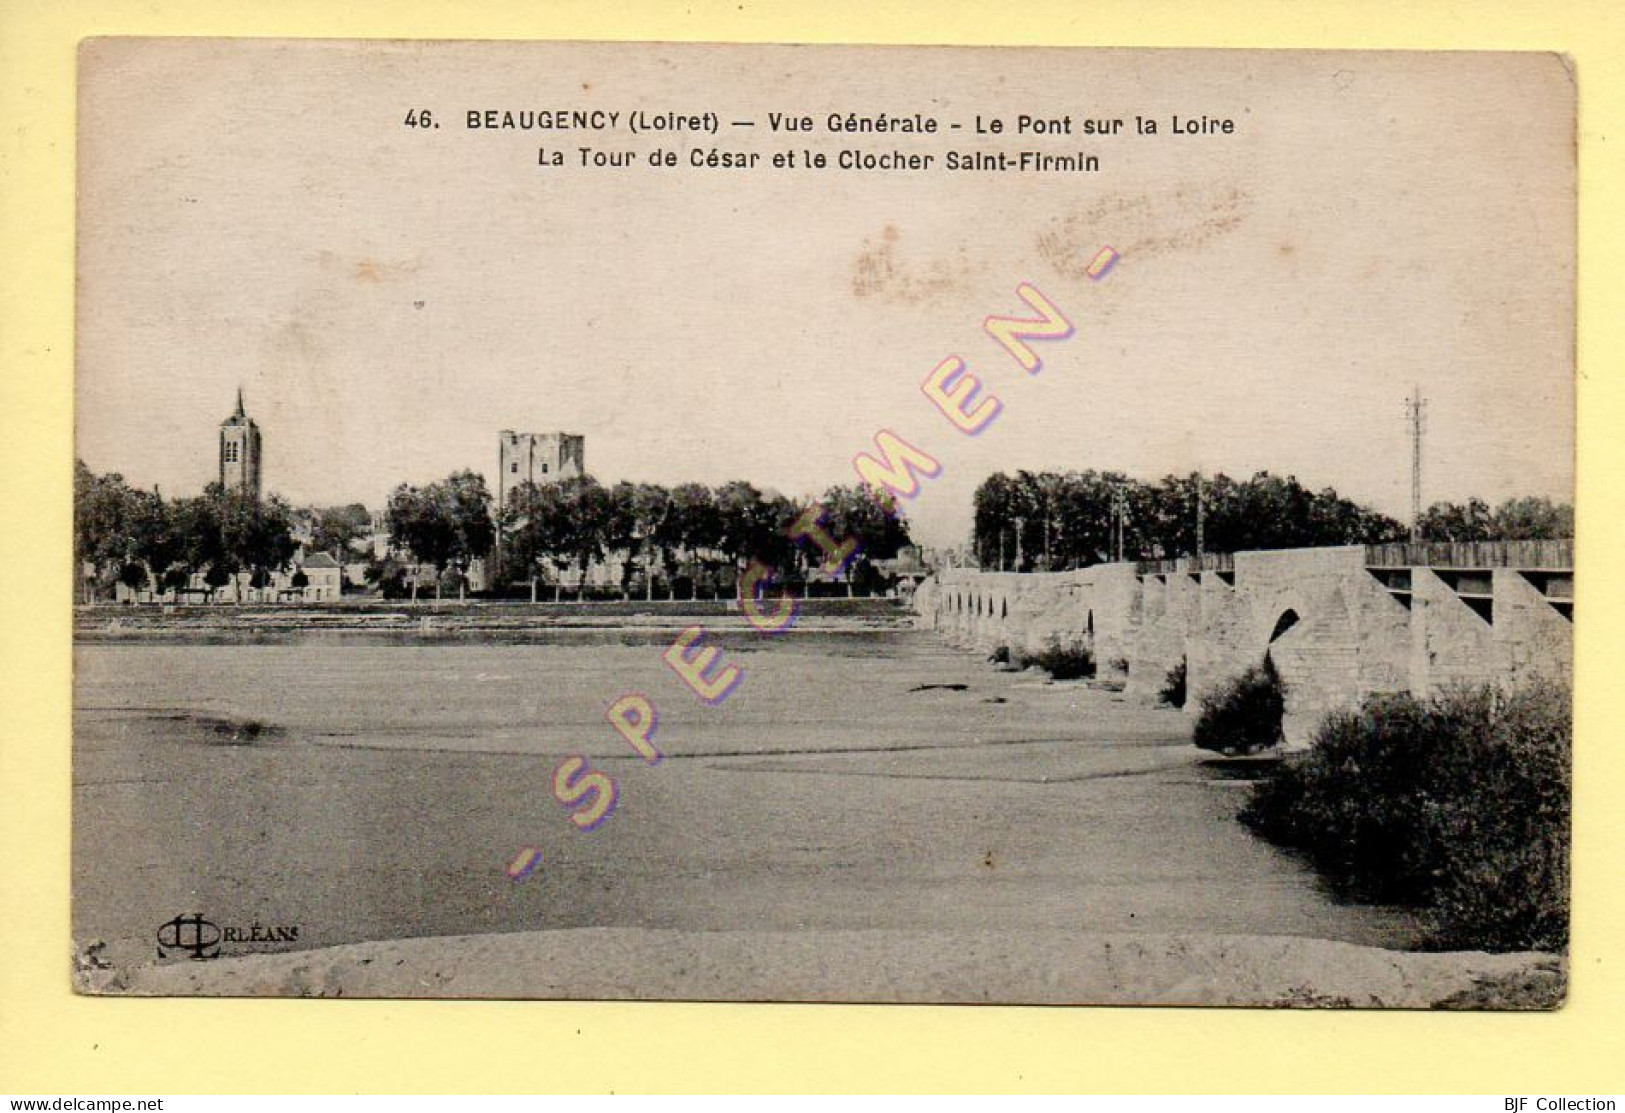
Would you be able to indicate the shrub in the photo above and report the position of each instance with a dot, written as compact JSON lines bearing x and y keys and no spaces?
{"x":1458,"y":806}
{"x":1062,"y":662}
{"x":392,"y":584}
{"x":1173,"y":686}
{"x":1119,"y":664}
{"x":1245,"y":714}
{"x":999,"y":656}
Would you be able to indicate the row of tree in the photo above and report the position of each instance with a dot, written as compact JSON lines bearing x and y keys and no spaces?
{"x":550,"y":532}
{"x":554,"y":532}
{"x":1531,"y":518}
{"x":134,"y":537}
{"x":1049,"y":521}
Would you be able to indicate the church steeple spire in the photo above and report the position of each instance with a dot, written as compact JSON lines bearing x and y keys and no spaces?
{"x":240,"y":451}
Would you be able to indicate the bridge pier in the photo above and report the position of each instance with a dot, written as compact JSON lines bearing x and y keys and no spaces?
{"x":1338,"y":623}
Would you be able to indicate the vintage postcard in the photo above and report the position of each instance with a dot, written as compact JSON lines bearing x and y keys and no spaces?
{"x":792,"y":523}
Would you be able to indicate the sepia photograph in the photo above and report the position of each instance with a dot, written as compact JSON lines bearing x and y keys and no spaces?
{"x":703,"y":522}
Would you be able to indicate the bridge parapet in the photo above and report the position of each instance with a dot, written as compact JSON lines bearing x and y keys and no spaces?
{"x":1529,"y":556}
{"x":1340,"y":622}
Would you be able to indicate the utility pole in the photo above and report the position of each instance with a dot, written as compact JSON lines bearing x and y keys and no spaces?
{"x":1201,"y":516}
{"x":1416,"y":410}
{"x":1120,"y":504}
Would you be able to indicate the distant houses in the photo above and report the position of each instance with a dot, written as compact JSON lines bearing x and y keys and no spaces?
{"x":317,"y":578}
{"x":324,"y":579}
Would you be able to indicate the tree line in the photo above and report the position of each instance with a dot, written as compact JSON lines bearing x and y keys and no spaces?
{"x":1038,"y":521}
{"x":678,"y":537}
{"x":1531,"y":518}
{"x":135,"y":537}
{"x":684,"y":535}
{"x":554,"y":532}
{"x":550,"y":533}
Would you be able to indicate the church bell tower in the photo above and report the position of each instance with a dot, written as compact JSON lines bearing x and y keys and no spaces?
{"x":240,"y":452}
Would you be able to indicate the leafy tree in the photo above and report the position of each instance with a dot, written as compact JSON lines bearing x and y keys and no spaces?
{"x":1174,"y":509}
{"x":175,"y":578}
{"x":388,"y":576}
{"x":156,"y":541}
{"x":637,"y":517}
{"x":1084,"y":508}
{"x":418,"y":523}
{"x":780,"y":551}
{"x":534,"y":526}
{"x":103,"y":506}
{"x":651,"y":509}
{"x":1533,"y":519}
{"x":1447,"y":521}
{"x":469,"y":506}
{"x":585,"y":527}
{"x":198,"y":529}
{"x":334,"y":528}
{"x":694,"y":526}
{"x":218,"y":575}
{"x":446,"y":524}
{"x":133,"y":575}
{"x":992,"y":531}
{"x":745,"y":523}
{"x":620,"y":531}
{"x":256,"y":534}
{"x":870,"y":516}
{"x":1027,"y":503}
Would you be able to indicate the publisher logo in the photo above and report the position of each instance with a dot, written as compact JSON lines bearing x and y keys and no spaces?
{"x":199,"y":938}
{"x":193,"y":934}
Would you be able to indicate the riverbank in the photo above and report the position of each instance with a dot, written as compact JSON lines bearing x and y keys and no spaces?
{"x":865,"y":780}
{"x":1052,"y":968}
{"x":476,"y":622}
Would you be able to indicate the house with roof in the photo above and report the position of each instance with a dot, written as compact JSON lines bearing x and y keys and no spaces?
{"x":324,"y":579}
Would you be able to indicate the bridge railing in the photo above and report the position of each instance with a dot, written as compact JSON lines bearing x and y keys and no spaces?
{"x":1207,"y":562}
{"x":1556,"y":555}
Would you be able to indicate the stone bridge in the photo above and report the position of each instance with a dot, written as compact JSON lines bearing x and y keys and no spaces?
{"x":1338,"y":623}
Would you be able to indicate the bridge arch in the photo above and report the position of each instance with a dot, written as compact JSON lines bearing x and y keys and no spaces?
{"x":1274,"y":613}
{"x":1284,"y":622}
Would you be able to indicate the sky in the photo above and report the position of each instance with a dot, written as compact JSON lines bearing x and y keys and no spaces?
{"x":389,"y":298}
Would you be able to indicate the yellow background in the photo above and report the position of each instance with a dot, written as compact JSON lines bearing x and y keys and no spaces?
{"x":53,"y":1043}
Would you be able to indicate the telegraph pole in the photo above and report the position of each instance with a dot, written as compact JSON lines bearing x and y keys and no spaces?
{"x":1415,"y":411}
{"x":1120,"y":504}
{"x":1201,"y":515}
